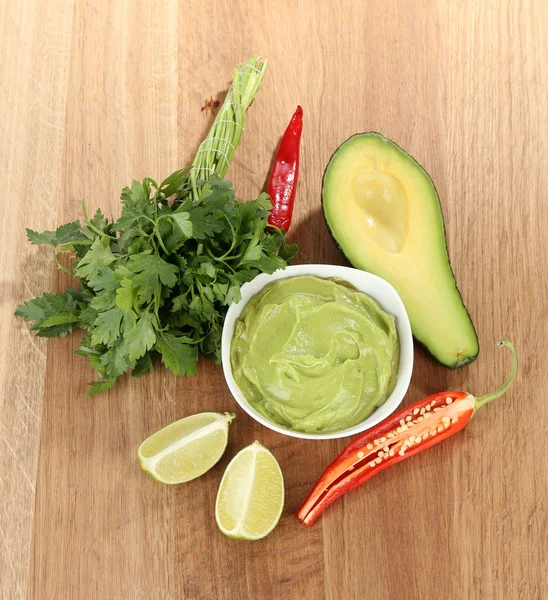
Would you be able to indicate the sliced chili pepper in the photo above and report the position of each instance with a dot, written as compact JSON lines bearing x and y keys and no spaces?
{"x":411,"y":430}
{"x":282,"y":183}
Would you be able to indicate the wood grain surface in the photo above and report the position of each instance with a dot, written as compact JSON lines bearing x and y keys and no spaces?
{"x":94,"y":93}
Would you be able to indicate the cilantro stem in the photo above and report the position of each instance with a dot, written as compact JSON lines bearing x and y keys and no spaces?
{"x":59,"y":265}
{"x":92,"y":226}
{"x":233,"y":237}
{"x":159,"y":238}
{"x":217,"y":259}
{"x":157,"y":300}
{"x":156,"y":233}
{"x":216,"y":151}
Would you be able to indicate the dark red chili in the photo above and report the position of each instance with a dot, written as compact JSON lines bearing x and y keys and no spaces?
{"x":405,"y":433}
{"x":282,"y":183}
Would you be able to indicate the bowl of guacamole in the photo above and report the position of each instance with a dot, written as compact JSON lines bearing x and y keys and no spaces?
{"x":318,"y":351}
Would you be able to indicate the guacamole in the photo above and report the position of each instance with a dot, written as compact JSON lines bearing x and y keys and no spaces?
{"x":314,"y":355}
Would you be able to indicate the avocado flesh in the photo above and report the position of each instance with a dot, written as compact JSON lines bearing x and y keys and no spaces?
{"x":384,"y":213}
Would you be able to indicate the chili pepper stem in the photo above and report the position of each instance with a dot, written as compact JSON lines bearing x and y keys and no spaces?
{"x":481,"y":400}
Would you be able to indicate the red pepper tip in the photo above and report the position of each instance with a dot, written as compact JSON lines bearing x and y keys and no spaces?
{"x":283,"y":179}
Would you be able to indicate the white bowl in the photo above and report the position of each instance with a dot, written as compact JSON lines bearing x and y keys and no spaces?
{"x":377,"y":288}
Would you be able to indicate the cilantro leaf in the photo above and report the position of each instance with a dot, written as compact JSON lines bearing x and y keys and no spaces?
{"x":142,"y":336}
{"x":103,"y":279}
{"x":287,"y":251}
{"x":219,"y":291}
{"x":53,"y":314}
{"x":143,"y":366}
{"x":253,"y":251}
{"x":205,"y":223}
{"x":177,"y":354}
{"x":87,"y":317}
{"x":104,"y":300}
{"x":62,"y":235}
{"x":126,"y":295}
{"x":211,"y":344}
{"x":135,"y":195}
{"x":99,"y":255}
{"x":183,"y":223}
{"x":179,"y":302}
{"x":233,"y":295}
{"x":173,"y":183}
{"x":263,"y":202}
{"x":151,"y":270}
{"x":99,"y":221}
{"x":64,"y":318}
{"x":136,"y":206}
{"x":107,"y":326}
{"x":96,"y":387}
{"x":115,"y":361}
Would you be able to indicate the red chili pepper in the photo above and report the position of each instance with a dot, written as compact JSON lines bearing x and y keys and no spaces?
{"x":282,"y":183}
{"x":405,"y":433}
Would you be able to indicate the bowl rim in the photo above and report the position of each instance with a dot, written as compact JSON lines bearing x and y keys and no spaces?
{"x":366,"y":282}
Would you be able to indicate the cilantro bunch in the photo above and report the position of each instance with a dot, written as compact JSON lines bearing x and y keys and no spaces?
{"x":160,"y":278}
{"x":158,"y":281}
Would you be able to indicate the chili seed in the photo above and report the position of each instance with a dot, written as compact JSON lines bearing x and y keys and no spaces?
{"x":401,"y":452}
{"x":372,"y":464}
{"x":449,"y":400}
{"x":422,"y":411}
{"x":361,"y":454}
{"x":370,"y":446}
{"x":416,"y":411}
{"x":378,"y":461}
{"x":408,"y":419}
{"x":446,"y":420}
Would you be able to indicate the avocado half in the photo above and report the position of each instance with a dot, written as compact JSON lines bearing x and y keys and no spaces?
{"x":384,"y":213}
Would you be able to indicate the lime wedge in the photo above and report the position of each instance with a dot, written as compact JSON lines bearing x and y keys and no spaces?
{"x":251,"y":495}
{"x":187,"y":448}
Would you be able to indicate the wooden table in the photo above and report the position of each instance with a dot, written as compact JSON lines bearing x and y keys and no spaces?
{"x":96,"y":93}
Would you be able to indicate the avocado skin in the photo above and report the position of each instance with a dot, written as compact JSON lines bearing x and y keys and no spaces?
{"x":455,"y":365}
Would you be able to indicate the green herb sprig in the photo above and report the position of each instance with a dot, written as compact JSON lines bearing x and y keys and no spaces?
{"x":159,"y":280}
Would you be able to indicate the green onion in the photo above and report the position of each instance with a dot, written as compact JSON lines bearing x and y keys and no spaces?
{"x":215,"y":152}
